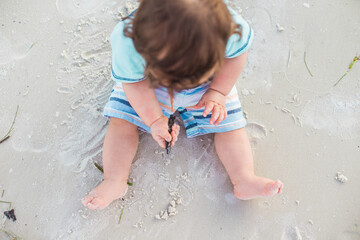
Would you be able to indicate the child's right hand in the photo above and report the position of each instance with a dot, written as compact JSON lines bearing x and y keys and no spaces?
{"x":160,"y":132}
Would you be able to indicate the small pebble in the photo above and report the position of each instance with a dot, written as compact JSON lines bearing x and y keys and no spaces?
{"x":171,"y":209}
{"x":279,"y":28}
{"x":165,"y":216}
{"x":178,"y":201}
{"x":245,"y":92}
{"x":341,"y":178}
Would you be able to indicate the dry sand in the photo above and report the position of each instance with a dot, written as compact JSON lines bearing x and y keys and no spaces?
{"x":54,"y":64}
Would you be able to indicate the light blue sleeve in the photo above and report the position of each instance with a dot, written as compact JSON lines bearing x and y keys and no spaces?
{"x":127,"y":64}
{"x":236,"y":46}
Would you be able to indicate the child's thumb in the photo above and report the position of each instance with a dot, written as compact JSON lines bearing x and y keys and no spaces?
{"x":199,"y":105}
{"x":167,"y":137}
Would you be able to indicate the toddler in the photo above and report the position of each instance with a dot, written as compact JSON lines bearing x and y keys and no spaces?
{"x":183,"y":55}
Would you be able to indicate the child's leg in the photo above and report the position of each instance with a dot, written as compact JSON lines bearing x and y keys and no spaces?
{"x":119,"y":150}
{"x":234,"y":151}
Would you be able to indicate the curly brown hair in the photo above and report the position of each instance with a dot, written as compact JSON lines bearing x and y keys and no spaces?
{"x":181,"y":40}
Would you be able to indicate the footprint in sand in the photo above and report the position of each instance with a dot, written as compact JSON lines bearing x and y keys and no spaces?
{"x":6,"y":54}
{"x":255,"y":132}
{"x":13,"y":48}
{"x":291,"y":233}
{"x":31,"y":137}
{"x":339,"y":115}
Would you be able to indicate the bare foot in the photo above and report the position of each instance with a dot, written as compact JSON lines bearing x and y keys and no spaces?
{"x":106,"y":192}
{"x":254,"y":187}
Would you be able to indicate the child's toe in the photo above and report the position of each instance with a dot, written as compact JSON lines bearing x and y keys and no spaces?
{"x":86,"y":200}
{"x":94,"y":204}
{"x":276,"y":187}
{"x":279,"y":186}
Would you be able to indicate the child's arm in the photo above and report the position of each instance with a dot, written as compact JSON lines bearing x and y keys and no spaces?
{"x":226,"y":77}
{"x":143,"y":99}
{"x":224,"y":80}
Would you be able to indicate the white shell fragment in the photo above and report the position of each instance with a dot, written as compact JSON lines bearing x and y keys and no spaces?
{"x":341,"y":177}
{"x":170,"y":211}
{"x":297,"y":234}
{"x":279,"y":28}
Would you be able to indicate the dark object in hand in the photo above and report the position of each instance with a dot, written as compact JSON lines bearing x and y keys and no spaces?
{"x":10,"y":215}
{"x":170,"y":124}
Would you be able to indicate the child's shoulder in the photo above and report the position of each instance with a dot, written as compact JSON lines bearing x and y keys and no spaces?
{"x":127,"y":64}
{"x":118,"y":38}
{"x":236,"y":45}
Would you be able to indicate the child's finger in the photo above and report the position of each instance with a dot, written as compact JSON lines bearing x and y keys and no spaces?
{"x":166,"y":136}
{"x":225,"y":113}
{"x":215,"y":114}
{"x":162,"y":137}
{"x":208,"y":107}
{"x":221,"y":117}
{"x":174,"y":133}
{"x":175,"y":127}
{"x":161,"y":142}
{"x":174,"y":136}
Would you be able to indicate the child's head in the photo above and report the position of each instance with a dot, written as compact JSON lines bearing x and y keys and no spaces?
{"x":182,"y":41}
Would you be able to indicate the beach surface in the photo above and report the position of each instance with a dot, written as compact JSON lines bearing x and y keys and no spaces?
{"x":304,"y":128}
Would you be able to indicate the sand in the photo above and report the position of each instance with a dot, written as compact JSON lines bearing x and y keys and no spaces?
{"x":55,"y":64}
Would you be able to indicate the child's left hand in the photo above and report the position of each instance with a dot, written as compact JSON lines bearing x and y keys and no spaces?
{"x":214,"y":102}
